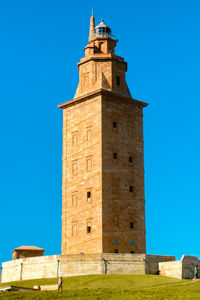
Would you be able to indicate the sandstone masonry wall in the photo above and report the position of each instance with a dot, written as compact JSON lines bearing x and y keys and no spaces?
{"x":29,"y":268}
{"x":182,"y":269}
{"x":82,"y":264}
{"x":82,"y":178}
{"x":152,"y":262}
{"x":171,"y":269}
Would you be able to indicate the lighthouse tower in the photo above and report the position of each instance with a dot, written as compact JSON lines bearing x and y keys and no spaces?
{"x":103,"y":202}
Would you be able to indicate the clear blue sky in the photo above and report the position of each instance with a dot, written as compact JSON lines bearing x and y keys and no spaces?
{"x":40,"y":44}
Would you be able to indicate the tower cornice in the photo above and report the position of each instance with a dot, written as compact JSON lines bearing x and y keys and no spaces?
{"x":102,"y":57}
{"x":98,"y":92}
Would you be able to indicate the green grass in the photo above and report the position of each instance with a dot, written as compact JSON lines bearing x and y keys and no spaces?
{"x":109,"y":287}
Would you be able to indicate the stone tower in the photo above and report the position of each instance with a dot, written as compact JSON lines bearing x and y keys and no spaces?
{"x":103,"y":205}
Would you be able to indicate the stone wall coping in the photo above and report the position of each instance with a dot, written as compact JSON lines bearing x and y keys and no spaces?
{"x":74,"y":256}
{"x":82,"y":257}
{"x":27,"y":259}
{"x":186,"y":258}
{"x":154,"y":255}
{"x":170,"y":262}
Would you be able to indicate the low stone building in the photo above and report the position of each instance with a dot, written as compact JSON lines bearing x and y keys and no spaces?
{"x":27,"y":251}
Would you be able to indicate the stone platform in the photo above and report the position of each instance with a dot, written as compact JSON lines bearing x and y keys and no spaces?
{"x":80,"y":264}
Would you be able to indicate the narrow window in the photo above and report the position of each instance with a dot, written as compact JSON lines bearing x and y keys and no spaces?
{"x":116,"y":251}
{"x":131,"y":225}
{"x":130,"y":159}
{"x":118,"y":80}
{"x":114,"y":124}
{"x":115,"y":155}
{"x":89,"y":196}
{"x":89,"y":227}
{"x":116,"y":241}
{"x":131,"y":189}
{"x":132,"y":243}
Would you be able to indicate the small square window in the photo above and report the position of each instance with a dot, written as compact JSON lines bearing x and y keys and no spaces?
{"x":114,"y":124}
{"x":132,"y":243}
{"x":115,"y":155}
{"x":116,"y":251}
{"x":131,"y":225}
{"x":131,"y":189}
{"x":130,"y":159}
{"x":118,"y":80}
{"x":116,"y":241}
{"x":132,"y":252}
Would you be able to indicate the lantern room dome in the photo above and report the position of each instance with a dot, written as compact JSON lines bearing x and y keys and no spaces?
{"x":102,"y":29}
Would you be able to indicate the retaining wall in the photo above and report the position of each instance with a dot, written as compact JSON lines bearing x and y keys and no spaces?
{"x":81,"y":264}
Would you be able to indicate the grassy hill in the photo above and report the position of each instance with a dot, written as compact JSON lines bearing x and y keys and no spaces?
{"x":109,"y":287}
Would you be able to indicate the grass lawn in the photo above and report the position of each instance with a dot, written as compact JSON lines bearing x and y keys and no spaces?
{"x":109,"y":287}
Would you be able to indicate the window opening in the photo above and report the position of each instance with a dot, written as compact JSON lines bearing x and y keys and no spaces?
{"x":118,"y":80}
{"x":131,"y":189}
{"x":88,"y":228}
{"x":115,"y":155}
{"x":131,"y":225}
{"x":132,"y":243}
{"x":116,"y":241}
